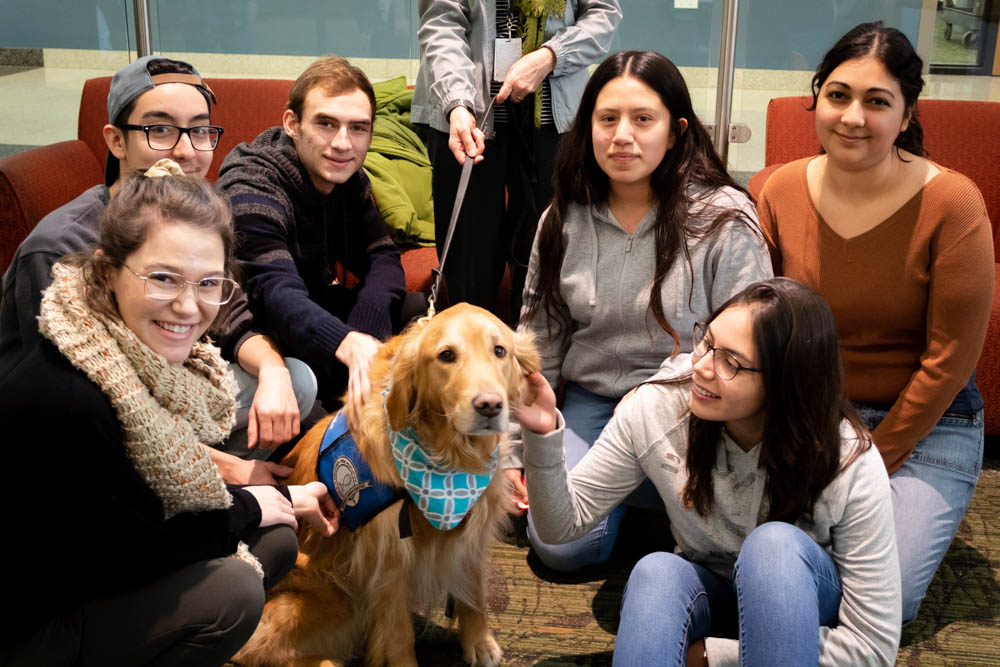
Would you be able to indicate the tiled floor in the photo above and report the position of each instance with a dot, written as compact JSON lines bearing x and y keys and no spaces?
{"x":39,"y":106}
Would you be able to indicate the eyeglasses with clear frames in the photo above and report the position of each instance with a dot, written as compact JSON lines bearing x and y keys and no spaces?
{"x":165,"y":286}
{"x":726,"y":365}
{"x":161,"y":137}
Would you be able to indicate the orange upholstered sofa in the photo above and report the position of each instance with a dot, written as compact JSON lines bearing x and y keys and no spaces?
{"x":39,"y":180}
{"x":960,"y":135}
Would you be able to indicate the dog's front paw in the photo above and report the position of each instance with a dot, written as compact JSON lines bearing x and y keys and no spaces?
{"x":483,"y":652}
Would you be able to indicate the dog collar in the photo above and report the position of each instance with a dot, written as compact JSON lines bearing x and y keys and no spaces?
{"x":442,"y":495}
{"x":349,"y":478}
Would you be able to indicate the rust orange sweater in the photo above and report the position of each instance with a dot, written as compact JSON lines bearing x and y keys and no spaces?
{"x":911,"y":296}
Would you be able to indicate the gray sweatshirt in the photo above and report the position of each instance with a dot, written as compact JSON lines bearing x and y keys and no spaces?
{"x":647,"y":437}
{"x":605,"y":285}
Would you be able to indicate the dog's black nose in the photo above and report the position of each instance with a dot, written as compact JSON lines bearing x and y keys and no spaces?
{"x":488,"y":405}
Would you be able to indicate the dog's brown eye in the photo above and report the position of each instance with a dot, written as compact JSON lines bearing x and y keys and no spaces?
{"x":447,"y":356}
{"x":500,"y":351}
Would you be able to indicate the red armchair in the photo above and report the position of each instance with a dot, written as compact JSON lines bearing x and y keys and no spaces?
{"x":960,"y":135}
{"x":39,"y":180}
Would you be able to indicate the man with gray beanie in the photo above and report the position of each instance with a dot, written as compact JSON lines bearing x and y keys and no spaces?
{"x":161,"y":108}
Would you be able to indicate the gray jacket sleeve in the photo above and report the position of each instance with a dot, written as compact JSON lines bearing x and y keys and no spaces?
{"x":565,"y":506}
{"x":586,"y":41}
{"x":442,"y":32}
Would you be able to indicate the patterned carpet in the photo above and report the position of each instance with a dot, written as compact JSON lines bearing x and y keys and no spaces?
{"x":540,"y":618}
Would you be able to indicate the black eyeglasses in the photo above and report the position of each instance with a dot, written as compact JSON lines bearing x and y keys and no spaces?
{"x":726,"y":365}
{"x":166,"y":286}
{"x":161,"y":137}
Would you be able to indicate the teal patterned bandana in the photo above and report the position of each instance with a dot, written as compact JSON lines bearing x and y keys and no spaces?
{"x":443,"y":496}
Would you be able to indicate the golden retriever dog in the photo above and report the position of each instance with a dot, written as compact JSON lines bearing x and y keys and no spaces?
{"x":454,"y":377}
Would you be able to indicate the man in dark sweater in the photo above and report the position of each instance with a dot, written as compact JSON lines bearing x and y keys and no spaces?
{"x":161,"y":108}
{"x":319,"y":267}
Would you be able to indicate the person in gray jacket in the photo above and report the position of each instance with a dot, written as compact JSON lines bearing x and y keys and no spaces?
{"x":778,"y":502}
{"x":647,"y":235}
{"x":531,"y":56}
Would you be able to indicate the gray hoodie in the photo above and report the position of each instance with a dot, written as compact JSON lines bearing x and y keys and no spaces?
{"x":648,"y":436}
{"x":605,"y":285}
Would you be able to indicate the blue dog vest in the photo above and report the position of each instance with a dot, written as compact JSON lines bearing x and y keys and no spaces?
{"x":348,"y":477}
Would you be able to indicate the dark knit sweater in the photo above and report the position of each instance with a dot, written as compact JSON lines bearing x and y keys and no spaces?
{"x":293,"y":241}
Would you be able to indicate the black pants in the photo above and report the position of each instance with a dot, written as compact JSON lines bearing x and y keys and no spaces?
{"x":200,"y":614}
{"x":507,"y":192}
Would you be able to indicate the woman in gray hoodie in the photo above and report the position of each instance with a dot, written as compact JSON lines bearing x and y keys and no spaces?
{"x":645,"y":236}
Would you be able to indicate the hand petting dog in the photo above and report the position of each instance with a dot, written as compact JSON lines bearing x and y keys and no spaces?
{"x":309,"y":501}
{"x":538,"y":415}
{"x":356,"y":352}
{"x":312,"y":502}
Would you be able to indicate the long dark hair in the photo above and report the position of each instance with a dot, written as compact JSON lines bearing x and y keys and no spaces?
{"x":579,"y":179}
{"x":890,"y":47}
{"x":805,"y":401}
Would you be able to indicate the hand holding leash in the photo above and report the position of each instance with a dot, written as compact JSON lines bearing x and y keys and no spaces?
{"x":465,"y":139}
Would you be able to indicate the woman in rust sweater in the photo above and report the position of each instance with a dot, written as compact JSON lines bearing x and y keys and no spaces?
{"x":902,"y":250}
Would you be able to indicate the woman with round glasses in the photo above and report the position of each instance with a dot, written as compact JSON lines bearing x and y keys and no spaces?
{"x":139,"y":553}
{"x":778,"y":503}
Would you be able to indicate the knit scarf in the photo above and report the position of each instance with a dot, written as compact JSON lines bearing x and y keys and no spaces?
{"x":165,"y":410}
{"x":533,"y":16}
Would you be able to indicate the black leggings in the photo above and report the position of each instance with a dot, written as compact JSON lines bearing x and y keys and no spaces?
{"x":200,"y":614}
{"x":507,"y":192}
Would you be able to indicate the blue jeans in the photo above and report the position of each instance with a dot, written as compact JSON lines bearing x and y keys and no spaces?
{"x":930,"y":494}
{"x":304,"y":386}
{"x":785,"y":587}
{"x":586,"y":414}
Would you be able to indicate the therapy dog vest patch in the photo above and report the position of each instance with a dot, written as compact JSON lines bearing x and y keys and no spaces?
{"x":348,"y":477}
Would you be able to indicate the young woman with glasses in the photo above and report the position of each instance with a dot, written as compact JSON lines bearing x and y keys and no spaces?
{"x":779,"y":505}
{"x":647,"y":234}
{"x":139,"y":553}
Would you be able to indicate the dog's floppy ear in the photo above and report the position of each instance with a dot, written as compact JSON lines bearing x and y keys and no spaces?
{"x":401,"y":404}
{"x":527,"y":360}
